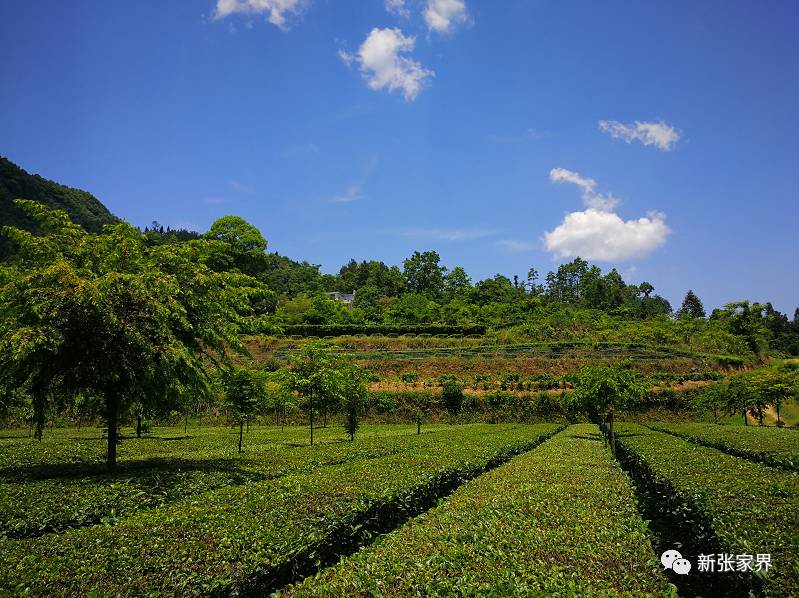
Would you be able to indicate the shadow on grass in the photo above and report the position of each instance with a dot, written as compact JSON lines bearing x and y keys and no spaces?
{"x":125,"y":470}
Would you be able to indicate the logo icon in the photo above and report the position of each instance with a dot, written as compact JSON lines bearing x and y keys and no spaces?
{"x":673,"y":560}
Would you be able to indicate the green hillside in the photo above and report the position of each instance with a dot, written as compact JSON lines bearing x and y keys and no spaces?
{"x":82,"y":207}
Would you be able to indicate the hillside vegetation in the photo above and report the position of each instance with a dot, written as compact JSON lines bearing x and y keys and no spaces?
{"x":15,"y":183}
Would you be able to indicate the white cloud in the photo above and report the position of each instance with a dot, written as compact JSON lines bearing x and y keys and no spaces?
{"x":604,"y":236}
{"x":659,"y":134}
{"x":397,"y":7}
{"x":591,"y":198}
{"x":276,"y":11}
{"x":442,"y":15}
{"x":516,"y":245}
{"x":382,"y":65}
{"x":598,"y":233}
{"x":448,"y":234}
{"x":353,"y":193}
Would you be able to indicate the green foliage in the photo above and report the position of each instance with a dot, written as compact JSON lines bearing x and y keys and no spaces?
{"x":423,"y":274}
{"x":452,"y":396}
{"x":82,"y":208}
{"x":242,"y":247}
{"x":691,"y":306}
{"x":353,"y":395}
{"x":599,"y":389}
{"x":110,"y":316}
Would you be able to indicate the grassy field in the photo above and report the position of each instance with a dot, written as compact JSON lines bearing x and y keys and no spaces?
{"x":477,"y":509}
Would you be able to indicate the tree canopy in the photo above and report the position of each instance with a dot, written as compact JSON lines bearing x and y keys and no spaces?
{"x":108,"y":315}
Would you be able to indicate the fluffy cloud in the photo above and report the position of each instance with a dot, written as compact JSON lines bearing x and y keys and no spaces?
{"x":660,"y":134}
{"x":604,"y":236}
{"x":442,"y":15}
{"x":598,"y":233}
{"x":276,"y":11}
{"x":383,"y":66}
{"x":591,"y":198}
{"x":397,"y":7}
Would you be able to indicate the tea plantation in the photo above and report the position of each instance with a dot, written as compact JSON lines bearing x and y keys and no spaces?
{"x":476,"y":509}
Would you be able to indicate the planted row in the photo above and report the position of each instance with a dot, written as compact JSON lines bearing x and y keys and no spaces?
{"x":559,"y":520}
{"x":773,"y":446}
{"x":256,"y":537}
{"x":58,"y":499}
{"x":722,"y":504}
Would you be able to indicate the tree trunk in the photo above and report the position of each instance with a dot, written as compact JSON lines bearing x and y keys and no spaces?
{"x":248,"y":425}
{"x":418,"y":425}
{"x":777,"y":409}
{"x":612,"y":435}
{"x":311,"y":400}
{"x":760,"y":415}
{"x":39,"y":415}
{"x":79,"y":418}
{"x":324,"y":416}
{"x":138,"y":426}
{"x":241,"y":433}
{"x":746,"y":422}
{"x":186,"y":424}
{"x":112,"y":415}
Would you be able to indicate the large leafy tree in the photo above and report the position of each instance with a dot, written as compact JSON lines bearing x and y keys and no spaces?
{"x":243,"y":245}
{"x":424,"y":274}
{"x":107,"y":315}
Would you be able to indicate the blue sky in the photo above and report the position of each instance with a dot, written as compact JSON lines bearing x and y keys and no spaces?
{"x":371,"y":129}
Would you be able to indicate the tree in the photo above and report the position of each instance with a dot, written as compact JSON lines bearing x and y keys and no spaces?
{"x":712,"y":397}
{"x":352,"y":392}
{"x":244,"y":246}
{"x":423,"y":274}
{"x":456,"y":283}
{"x":244,"y":395}
{"x":312,"y":374}
{"x":646,"y":288}
{"x":603,"y":389}
{"x":691,"y":306}
{"x":109,"y":316}
{"x":452,"y":395}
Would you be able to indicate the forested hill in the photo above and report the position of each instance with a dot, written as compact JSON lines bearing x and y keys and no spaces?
{"x":82,"y":207}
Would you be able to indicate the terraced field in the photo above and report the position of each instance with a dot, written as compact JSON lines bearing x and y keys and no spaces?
{"x":466,"y":510}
